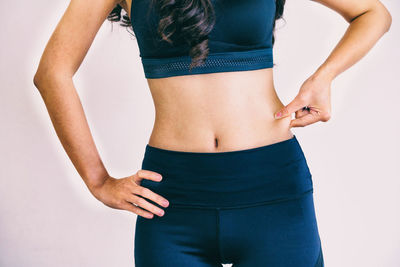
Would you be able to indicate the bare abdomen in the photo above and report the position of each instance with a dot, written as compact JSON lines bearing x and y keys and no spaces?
{"x":217,"y":112}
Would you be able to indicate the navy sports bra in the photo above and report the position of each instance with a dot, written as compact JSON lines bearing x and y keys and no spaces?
{"x":240,"y":40}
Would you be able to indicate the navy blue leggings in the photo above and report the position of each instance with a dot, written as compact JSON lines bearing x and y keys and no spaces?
{"x":250,"y":208}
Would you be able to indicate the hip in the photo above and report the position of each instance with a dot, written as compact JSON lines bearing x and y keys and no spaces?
{"x":264,"y":174}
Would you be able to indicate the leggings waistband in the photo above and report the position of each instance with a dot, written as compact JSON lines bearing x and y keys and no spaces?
{"x":269,"y":173}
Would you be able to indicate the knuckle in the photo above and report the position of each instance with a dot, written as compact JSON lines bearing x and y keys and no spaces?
{"x":301,"y":123}
{"x":139,"y":190}
{"x":302,"y":98}
{"x":145,"y":191}
{"x":325,"y":117}
{"x":134,"y":178}
{"x":132,"y":208}
{"x":120,"y":202}
{"x":140,"y":201}
{"x":142,"y":212}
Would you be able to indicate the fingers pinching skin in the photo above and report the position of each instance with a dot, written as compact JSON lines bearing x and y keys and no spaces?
{"x":304,"y":120}
{"x":313,"y":116}
{"x":300,"y":113}
{"x":297,"y":104}
{"x":311,"y":104}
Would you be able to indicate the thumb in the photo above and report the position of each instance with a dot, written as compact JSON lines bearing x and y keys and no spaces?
{"x":293,"y":106}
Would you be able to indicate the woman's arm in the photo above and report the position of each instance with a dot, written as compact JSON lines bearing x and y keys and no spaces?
{"x":63,"y":55}
{"x":61,"y":59}
{"x":369,"y":20}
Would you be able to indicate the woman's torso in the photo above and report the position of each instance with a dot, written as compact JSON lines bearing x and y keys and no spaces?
{"x":216,"y":112}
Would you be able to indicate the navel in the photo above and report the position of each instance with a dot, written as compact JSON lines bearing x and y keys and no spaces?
{"x":216,"y":142}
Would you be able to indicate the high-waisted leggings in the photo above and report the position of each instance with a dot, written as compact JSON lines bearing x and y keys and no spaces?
{"x":249,"y":208}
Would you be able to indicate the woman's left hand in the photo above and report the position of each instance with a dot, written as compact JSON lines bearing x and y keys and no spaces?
{"x":312,"y":103}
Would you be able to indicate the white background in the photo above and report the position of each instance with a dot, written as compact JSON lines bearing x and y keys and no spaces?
{"x":49,"y":218}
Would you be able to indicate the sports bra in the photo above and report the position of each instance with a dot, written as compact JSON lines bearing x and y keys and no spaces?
{"x":240,"y":40}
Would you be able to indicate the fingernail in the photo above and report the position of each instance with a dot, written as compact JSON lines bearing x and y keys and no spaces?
{"x":278,"y":115}
{"x":161,"y":213}
{"x":165,"y":203}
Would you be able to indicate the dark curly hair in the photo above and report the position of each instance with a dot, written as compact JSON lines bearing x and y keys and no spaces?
{"x":193,"y":19}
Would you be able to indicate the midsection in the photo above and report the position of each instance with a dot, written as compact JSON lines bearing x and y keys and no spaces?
{"x":217,"y":112}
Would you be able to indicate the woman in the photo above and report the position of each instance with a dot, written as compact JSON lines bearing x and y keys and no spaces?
{"x":222,"y":171}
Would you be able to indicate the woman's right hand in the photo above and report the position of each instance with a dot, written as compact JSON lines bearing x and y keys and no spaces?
{"x":127,"y":193}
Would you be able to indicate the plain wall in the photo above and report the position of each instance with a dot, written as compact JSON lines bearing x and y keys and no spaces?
{"x":49,"y":218}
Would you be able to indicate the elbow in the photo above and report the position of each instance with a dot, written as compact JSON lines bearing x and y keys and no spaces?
{"x":39,"y":80}
{"x":386,"y":17}
{"x":45,"y":77}
{"x":388,"y":20}
{"x":36,"y":80}
{"x":381,"y":15}
{"x":42,"y":71}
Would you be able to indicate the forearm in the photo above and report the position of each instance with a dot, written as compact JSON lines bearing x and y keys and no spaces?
{"x":69,"y":121}
{"x":361,"y":35}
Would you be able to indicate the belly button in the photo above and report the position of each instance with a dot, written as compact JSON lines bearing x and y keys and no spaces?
{"x":216,"y":142}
